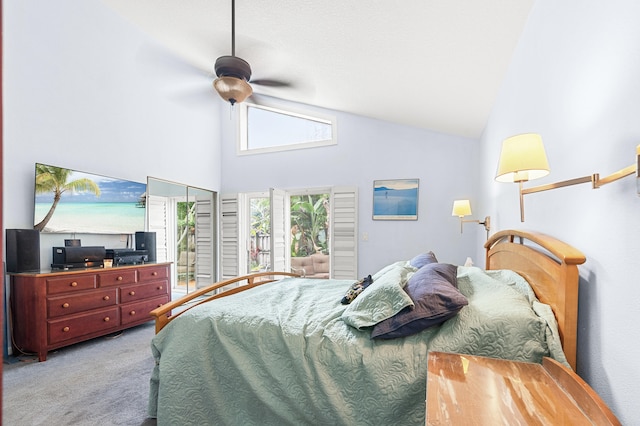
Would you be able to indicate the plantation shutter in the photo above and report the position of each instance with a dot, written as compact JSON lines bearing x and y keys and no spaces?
{"x":279,"y":216}
{"x":205,"y":240}
{"x":344,"y":233}
{"x":157,"y":211}
{"x":229,"y":236}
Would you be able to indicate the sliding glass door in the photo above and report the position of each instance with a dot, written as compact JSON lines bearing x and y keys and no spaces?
{"x":184,"y":220}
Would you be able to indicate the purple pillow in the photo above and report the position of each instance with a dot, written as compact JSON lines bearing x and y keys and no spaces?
{"x":423,"y":259}
{"x":434,"y":291}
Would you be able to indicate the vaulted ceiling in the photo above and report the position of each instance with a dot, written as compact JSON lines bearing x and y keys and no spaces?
{"x":427,"y":63}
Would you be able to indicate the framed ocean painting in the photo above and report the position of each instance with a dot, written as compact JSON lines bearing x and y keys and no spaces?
{"x":395,"y":199}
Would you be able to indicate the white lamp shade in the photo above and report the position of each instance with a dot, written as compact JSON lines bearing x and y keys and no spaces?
{"x":522,"y":158}
{"x":232,"y":89}
{"x":461,"y":208}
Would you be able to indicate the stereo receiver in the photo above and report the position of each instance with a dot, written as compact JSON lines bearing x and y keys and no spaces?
{"x":78,"y":257}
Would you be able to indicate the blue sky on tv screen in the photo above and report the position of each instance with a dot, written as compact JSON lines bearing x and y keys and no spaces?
{"x":111,"y":191}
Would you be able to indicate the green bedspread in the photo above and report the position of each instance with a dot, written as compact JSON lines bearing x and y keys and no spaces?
{"x":280,"y":354}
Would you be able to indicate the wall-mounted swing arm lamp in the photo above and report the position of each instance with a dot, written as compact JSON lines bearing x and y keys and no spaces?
{"x":462,"y":208}
{"x":523,"y":158}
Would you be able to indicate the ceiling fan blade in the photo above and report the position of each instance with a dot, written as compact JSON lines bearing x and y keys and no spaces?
{"x":270,"y":83}
{"x":175,"y":78}
{"x":160,"y":62}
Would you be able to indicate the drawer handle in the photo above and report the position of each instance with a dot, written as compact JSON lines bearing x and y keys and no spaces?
{"x":119,"y":278}
{"x":159,"y":287}
{"x":65,"y":329}
{"x":105,"y":298}
{"x":132,"y":293}
{"x":132,"y":313}
{"x":106,"y":319}
{"x":65,"y":305}
{"x":74,"y":284}
{"x":154,"y":273}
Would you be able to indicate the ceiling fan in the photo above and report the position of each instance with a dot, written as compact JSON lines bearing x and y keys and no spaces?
{"x":234,"y":73}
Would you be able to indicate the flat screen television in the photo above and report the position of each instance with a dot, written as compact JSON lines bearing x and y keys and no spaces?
{"x":70,"y":201}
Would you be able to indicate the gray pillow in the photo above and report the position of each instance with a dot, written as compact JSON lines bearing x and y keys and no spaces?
{"x":423,"y":259}
{"x":436,"y":298}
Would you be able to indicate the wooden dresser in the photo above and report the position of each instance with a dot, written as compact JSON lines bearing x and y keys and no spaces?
{"x":474,"y":390}
{"x":53,"y":309}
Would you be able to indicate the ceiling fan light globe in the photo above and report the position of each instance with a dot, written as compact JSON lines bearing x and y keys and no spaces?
{"x":232,"y":89}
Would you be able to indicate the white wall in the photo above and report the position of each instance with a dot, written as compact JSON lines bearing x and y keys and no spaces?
{"x":368,"y":150}
{"x":83,"y":89}
{"x":575,"y":79}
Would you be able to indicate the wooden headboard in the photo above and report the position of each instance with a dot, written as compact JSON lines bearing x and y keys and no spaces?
{"x":551,"y":268}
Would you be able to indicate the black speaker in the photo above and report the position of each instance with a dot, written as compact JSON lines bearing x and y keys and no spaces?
{"x":23,"y":250}
{"x":147,"y":241}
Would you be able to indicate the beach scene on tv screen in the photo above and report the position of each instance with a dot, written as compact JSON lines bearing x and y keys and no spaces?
{"x":87,"y":203}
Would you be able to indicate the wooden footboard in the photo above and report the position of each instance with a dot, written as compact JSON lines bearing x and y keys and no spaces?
{"x":163,"y":314}
{"x":551,"y":268}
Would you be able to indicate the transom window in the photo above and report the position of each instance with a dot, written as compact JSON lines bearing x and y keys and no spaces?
{"x":267,"y":128}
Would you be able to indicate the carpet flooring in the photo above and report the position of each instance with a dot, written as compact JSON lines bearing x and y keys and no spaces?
{"x":104,"y":381}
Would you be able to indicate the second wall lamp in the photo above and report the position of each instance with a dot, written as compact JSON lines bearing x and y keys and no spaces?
{"x":523,"y":158}
{"x":462,"y":208}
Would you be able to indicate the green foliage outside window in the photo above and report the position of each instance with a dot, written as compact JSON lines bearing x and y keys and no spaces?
{"x":260,"y":216}
{"x":309,"y":228}
{"x":309,"y":224}
{"x":260,"y":234}
{"x":186,"y":225}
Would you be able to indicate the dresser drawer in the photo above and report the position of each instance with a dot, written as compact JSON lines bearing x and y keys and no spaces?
{"x":124,"y":276}
{"x":78,"y":325}
{"x":139,"y":311}
{"x":131,"y":293}
{"x":71,"y":283}
{"x":73,"y":303}
{"x":153,"y":273}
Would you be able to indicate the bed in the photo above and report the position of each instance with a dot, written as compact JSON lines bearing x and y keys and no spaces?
{"x":285,"y":350}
